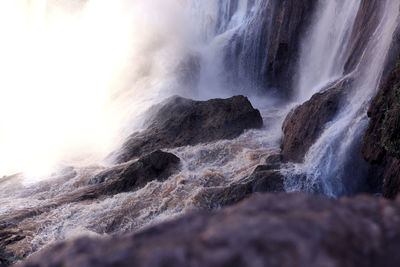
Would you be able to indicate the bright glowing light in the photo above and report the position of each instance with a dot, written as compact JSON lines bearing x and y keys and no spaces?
{"x":56,"y":69}
{"x":72,"y":73}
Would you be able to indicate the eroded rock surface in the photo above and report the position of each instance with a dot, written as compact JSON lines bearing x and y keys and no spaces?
{"x":182,"y":122}
{"x":157,"y":165}
{"x":381,"y":146}
{"x":265,"y":178}
{"x":265,"y":230}
{"x":305,"y":123}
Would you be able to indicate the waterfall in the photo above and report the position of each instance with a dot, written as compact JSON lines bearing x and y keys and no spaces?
{"x":151,"y":59}
{"x":97,"y":88}
{"x":334,"y":163}
{"x":78,"y":77}
{"x":324,"y":51}
{"x":221,"y":22}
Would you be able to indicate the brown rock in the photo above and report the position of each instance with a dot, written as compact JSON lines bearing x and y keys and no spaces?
{"x":304,"y":124}
{"x":266,"y":230}
{"x":265,"y":178}
{"x":127,"y":177}
{"x":182,"y":122}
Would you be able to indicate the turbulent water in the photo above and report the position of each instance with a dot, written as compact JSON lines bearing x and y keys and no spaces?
{"x":181,"y":52}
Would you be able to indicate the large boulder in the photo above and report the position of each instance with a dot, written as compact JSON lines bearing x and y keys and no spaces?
{"x":265,"y":230}
{"x":181,"y":122}
{"x":305,"y":123}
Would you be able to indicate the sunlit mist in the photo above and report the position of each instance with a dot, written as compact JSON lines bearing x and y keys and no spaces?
{"x":65,"y":92}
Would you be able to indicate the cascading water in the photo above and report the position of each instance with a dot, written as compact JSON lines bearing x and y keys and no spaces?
{"x":220,"y":21}
{"x":154,"y":66}
{"x":133,"y":54}
{"x":334,"y":163}
{"x":324,"y":51}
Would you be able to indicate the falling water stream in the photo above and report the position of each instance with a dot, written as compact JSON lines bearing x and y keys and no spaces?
{"x":334,"y":163}
{"x":133,"y":54}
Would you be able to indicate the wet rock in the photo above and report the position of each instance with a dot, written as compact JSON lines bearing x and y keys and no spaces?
{"x":304,"y":124}
{"x":273,"y":159}
{"x":182,"y":122}
{"x":156,"y":166}
{"x":265,"y":230}
{"x":265,"y":178}
{"x":9,"y":235}
{"x":381,"y":145}
{"x":265,"y":53}
{"x":365,"y":24}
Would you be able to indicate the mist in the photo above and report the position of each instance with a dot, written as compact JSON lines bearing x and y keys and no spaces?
{"x":76,"y":75}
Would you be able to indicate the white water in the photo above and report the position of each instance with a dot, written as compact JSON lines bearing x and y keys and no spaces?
{"x":149,"y":65}
{"x":74,"y":73}
{"x":326,"y":165}
{"x":324,"y":51}
{"x":78,"y":74}
{"x":146,"y":61}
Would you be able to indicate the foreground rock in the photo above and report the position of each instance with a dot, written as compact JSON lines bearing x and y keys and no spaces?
{"x":19,"y":226}
{"x":381,"y":147}
{"x":304,"y":124}
{"x":266,"y":230}
{"x":182,"y":122}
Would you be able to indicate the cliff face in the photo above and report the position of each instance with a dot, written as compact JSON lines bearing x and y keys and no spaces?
{"x":381,"y":146}
{"x":266,"y":52}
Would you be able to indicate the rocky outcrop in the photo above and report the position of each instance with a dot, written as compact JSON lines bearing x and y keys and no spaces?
{"x":305,"y":123}
{"x":127,"y":177}
{"x":266,"y":51}
{"x":265,"y":178}
{"x":381,"y":146}
{"x":266,"y":230}
{"x":182,"y":122}
{"x":156,"y":166}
